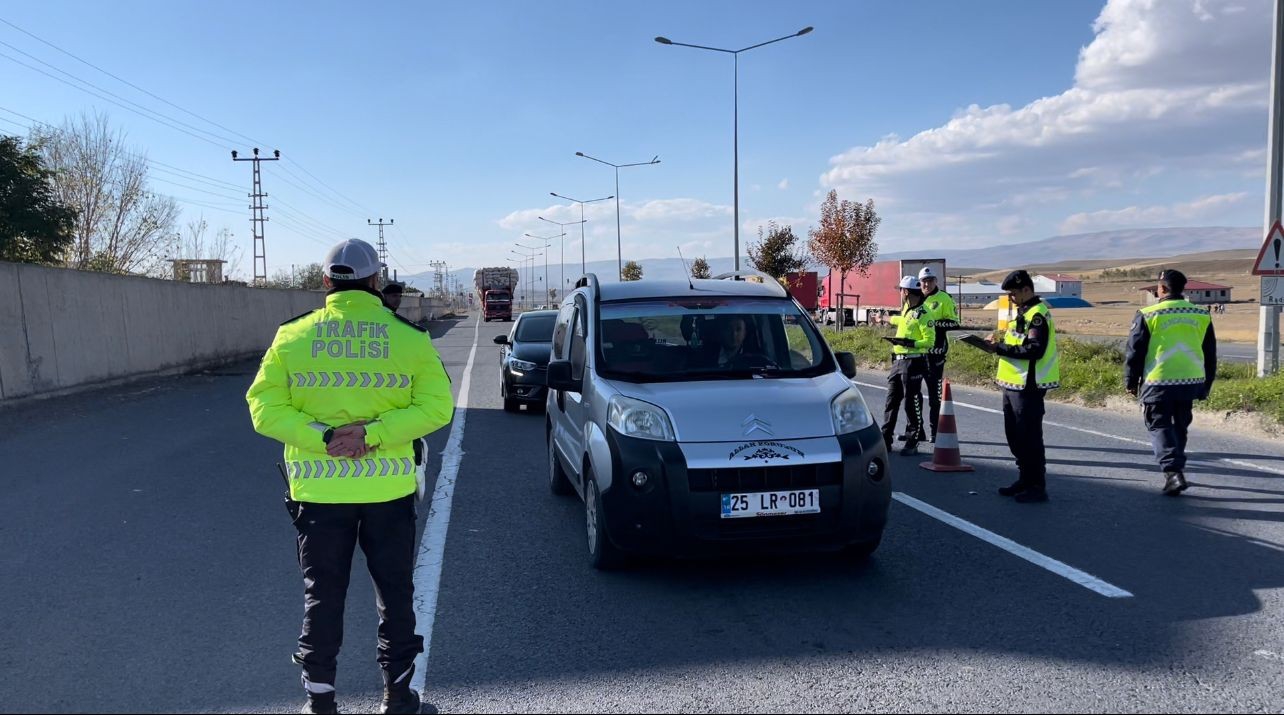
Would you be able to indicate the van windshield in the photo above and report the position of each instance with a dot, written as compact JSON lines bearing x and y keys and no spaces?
{"x":715,"y":338}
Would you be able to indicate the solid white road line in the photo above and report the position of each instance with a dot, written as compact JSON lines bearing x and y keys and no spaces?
{"x":1086,"y":580}
{"x":432,"y":548}
{"x":1130,"y":440}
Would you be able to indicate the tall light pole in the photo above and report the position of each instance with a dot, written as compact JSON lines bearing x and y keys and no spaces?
{"x":735,"y":54}
{"x":583,"y":264}
{"x":619,"y":249}
{"x":1268,"y":338}
{"x":521,"y":266}
{"x":528,"y":265}
{"x":562,"y":226}
{"x":546,"y":247}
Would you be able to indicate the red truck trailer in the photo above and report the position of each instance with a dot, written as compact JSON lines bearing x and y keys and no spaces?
{"x":876,"y":290}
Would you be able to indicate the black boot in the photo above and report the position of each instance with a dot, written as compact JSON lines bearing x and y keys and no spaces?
{"x":1174,"y":483}
{"x":910,"y":448}
{"x":320,"y":692}
{"x":1032,"y":495}
{"x":323,"y":703}
{"x":397,"y":695}
{"x":1010,"y":491}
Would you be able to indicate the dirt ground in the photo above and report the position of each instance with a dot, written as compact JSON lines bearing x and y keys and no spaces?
{"x":1115,"y":301}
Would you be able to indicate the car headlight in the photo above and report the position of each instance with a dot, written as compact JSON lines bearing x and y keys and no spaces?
{"x":521,"y":365}
{"x":635,"y":418}
{"x":850,"y":412}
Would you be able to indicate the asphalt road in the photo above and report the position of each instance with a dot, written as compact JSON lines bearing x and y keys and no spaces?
{"x":147,"y":565}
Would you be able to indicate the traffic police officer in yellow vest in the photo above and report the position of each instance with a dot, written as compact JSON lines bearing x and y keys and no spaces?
{"x":915,"y":336}
{"x":945,"y":317}
{"x":347,"y":388}
{"x":1171,"y":362}
{"x":1029,"y":366}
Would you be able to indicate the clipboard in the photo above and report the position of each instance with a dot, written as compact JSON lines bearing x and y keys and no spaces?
{"x":902,"y":342}
{"x":976,"y":342}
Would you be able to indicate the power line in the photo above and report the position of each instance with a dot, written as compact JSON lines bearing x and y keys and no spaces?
{"x":196,"y":188}
{"x":362,"y":207}
{"x":131,"y":84}
{"x":111,"y":93}
{"x":112,"y":101}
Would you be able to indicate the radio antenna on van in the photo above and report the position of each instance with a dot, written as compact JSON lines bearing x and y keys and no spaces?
{"x":686,"y":268}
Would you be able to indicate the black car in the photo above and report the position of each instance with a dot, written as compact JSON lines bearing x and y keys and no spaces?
{"x":523,"y":361}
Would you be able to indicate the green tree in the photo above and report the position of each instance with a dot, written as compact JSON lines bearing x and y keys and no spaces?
{"x":632,"y":271}
{"x":779,"y":251}
{"x":34,"y":226}
{"x":700,"y":268}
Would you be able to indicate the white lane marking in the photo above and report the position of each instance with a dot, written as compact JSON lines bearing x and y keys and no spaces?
{"x":432,"y":548}
{"x":1071,"y":573}
{"x":1144,"y":443}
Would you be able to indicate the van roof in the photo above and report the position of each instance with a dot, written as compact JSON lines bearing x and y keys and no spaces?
{"x":634,"y":290}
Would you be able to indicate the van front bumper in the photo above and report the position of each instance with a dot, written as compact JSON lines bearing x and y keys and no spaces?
{"x":678,"y":511}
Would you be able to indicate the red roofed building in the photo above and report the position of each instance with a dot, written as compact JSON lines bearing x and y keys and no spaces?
{"x":1197,"y":292}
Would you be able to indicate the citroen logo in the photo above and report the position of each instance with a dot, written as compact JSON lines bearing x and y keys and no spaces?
{"x":752,"y":423}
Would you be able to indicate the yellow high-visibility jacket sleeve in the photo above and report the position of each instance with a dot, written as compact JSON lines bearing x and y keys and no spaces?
{"x":431,"y":406}
{"x":894,"y":319}
{"x":926,"y":338}
{"x":272,"y":412}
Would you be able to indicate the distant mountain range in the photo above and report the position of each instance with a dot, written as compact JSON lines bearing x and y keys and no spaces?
{"x":1103,"y":245}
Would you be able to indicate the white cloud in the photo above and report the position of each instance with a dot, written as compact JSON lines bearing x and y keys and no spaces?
{"x":1171,"y":87}
{"x":1201,"y":209}
{"x":783,"y":185}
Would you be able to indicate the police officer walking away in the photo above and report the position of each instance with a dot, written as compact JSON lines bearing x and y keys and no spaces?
{"x":1029,"y":366}
{"x":944,"y":316}
{"x":1171,"y":362}
{"x":347,"y":388}
{"x":914,"y":337}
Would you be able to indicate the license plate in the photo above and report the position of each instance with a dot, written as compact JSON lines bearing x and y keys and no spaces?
{"x":743,"y":506}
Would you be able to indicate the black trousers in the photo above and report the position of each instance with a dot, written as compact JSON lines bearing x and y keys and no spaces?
{"x":1168,"y":423}
{"x":1023,"y":424}
{"x":328,"y":536}
{"x":905,"y":382}
{"x":935,"y":376}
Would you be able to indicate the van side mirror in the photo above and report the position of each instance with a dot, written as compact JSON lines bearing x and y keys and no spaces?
{"x":559,"y":377}
{"x":501,"y":339}
{"x":846,"y":364}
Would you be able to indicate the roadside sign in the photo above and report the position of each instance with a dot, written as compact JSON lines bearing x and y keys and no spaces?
{"x":1270,"y":260}
{"x":1272,"y":290}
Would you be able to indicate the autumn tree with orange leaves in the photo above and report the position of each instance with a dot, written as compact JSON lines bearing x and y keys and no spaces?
{"x":844,"y":240}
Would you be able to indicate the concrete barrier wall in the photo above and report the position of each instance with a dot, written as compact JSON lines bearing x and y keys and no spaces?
{"x":62,"y":329}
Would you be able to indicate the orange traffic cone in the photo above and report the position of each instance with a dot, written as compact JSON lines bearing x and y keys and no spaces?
{"x":945,"y":458}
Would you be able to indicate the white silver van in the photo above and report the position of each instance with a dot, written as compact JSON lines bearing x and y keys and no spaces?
{"x":709,"y":416}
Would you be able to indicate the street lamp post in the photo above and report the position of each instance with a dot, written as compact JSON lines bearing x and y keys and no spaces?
{"x":583,"y":264}
{"x":735,"y":54}
{"x":619,"y":249}
{"x":546,"y":247}
{"x":562,"y":227}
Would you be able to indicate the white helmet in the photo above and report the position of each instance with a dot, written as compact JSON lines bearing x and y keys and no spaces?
{"x":911,"y":283}
{"x":926,"y":273}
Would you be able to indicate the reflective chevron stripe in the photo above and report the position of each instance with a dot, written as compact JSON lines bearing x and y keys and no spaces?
{"x":329,"y":469}
{"x":349,"y":379}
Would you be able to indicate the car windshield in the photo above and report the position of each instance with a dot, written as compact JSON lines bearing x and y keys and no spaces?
{"x":536,"y":328}
{"x":497,"y":297}
{"x":714,"y":338}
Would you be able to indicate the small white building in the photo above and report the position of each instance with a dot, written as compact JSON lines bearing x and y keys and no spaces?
{"x":976,"y":294}
{"x":1058,"y":284}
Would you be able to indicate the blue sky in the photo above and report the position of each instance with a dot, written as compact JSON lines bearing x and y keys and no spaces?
{"x":970,"y":124}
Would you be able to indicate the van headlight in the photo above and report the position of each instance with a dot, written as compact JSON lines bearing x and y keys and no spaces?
{"x":635,"y":418}
{"x":850,"y":412}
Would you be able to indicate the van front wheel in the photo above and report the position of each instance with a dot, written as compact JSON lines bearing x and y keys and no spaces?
{"x":603,"y":555}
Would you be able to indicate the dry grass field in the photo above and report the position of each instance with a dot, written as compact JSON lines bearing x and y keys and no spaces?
{"x":1116,"y":300}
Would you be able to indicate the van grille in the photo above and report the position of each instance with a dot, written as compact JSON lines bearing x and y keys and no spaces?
{"x":794,"y":476}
